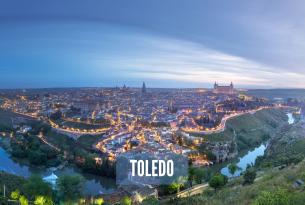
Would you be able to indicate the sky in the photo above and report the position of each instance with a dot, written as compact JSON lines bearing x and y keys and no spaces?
{"x":166,"y":43}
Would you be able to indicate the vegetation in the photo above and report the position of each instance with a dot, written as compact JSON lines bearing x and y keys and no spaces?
{"x":35,"y":186}
{"x":11,"y":182}
{"x":99,"y":201}
{"x":70,"y":188}
{"x":81,"y":153}
{"x":5,"y":120}
{"x":233,"y":168}
{"x":170,"y":189}
{"x":218,"y":181}
{"x":249,"y":175}
{"x":126,"y":201}
{"x":43,"y":200}
{"x":15,"y":195}
{"x":287,"y":147}
{"x":201,"y":175}
{"x":279,"y":197}
{"x":23,"y":200}
{"x":87,"y":141}
{"x":191,"y":175}
{"x":150,"y":201}
{"x":33,"y":190}
{"x":30,"y":147}
{"x":273,"y":186}
{"x":250,"y":130}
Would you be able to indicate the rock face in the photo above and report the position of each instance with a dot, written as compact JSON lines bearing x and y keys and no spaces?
{"x":286,"y":147}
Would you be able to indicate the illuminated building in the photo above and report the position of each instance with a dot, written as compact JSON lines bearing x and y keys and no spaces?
{"x":223,"y":89}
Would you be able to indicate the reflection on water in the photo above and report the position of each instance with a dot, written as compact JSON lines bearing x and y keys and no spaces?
{"x":8,"y":165}
{"x":249,"y":158}
{"x":290,"y":118}
{"x":93,"y":184}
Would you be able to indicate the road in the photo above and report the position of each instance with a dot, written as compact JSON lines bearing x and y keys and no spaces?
{"x":197,"y":189}
{"x":221,"y":127}
{"x":48,"y":143}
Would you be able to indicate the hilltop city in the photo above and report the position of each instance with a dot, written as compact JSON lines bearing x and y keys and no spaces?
{"x":142,"y":120}
{"x":83,"y":132}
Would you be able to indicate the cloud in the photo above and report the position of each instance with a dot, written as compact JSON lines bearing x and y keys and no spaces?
{"x":80,"y":54}
{"x":175,"y":59}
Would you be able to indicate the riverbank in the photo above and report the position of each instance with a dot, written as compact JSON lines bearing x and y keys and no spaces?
{"x":93,"y":184}
{"x":202,"y":194}
{"x":250,"y":157}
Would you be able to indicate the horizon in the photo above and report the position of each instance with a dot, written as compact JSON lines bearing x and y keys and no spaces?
{"x":149,"y":87}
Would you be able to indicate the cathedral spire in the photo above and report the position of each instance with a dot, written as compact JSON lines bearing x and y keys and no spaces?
{"x":143,"y":88}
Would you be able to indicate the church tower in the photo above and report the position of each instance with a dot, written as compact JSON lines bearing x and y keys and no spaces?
{"x":143,"y":88}
{"x":215,"y":85}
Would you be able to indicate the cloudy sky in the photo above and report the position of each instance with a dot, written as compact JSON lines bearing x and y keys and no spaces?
{"x":172,"y":43}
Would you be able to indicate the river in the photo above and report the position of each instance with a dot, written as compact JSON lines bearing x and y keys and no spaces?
{"x":290,"y":118}
{"x":251,"y":156}
{"x":93,"y":184}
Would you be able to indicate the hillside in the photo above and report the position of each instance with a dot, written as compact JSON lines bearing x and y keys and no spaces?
{"x":277,"y":173}
{"x":251,"y":130}
{"x":271,"y":181}
{"x":287,"y":146}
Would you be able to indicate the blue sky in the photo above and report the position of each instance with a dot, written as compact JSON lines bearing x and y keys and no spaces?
{"x":173,"y":43}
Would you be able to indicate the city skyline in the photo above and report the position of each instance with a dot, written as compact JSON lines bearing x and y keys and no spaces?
{"x":111,"y":43}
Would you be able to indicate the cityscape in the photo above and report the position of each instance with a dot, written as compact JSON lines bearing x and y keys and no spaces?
{"x":115,"y":102}
{"x":101,"y":124}
{"x":146,"y":120}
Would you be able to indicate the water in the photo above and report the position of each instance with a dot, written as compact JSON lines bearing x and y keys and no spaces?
{"x":290,"y":118}
{"x":251,"y":156}
{"x":93,"y":184}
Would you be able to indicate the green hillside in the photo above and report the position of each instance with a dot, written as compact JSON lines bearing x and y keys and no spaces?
{"x":277,"y":174}
{"x":272,"y":183}
{"x":287,"y":147}
{"x":251,"y":129}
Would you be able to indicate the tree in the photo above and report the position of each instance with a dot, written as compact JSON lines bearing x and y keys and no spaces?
{"x":173,"y":188}
{"x":212,"y":157}
{"x":23,"y":200}
{"x":278,"y":197}
{"x":99,"y":201}
{"x":69,"y":187}
{"x":200,"y":174}
{"x":15,"y":194}
{"x":126,"y":201}
{"x":35,"y":186}
{"x":150,"y":201}
{"x":191,"y":176}
{"x":43,"y":200}
{"x":37,"y":157}
{"x":249,"y":176}
{"x":218,"y":181}
{"x":233,"y":168}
